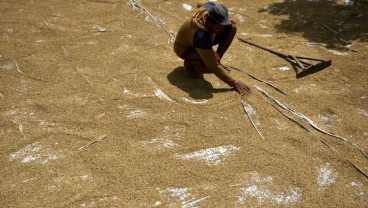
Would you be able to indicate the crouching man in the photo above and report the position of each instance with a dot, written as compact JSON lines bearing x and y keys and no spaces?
{"x":208,"y":27}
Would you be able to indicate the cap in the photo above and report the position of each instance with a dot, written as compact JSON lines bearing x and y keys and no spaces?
{"x":219,"y":14}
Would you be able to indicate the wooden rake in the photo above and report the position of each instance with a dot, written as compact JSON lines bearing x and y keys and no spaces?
{"x":302,"y":65}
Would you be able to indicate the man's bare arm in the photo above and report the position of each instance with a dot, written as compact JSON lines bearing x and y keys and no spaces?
{"x":211,"y":63}
{"x":224,"y":45}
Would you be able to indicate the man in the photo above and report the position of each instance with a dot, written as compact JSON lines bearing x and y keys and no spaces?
{"x":208,"y":27}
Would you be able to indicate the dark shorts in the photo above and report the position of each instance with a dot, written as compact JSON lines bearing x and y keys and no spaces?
{"x":192,"y":55}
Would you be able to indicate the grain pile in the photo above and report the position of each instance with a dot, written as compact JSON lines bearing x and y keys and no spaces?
{"x":96,"y":110}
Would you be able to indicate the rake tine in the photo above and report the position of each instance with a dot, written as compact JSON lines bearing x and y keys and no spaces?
{"x":298,"y":62}
{"x":306,"y":63}
{"x":301,"y":61}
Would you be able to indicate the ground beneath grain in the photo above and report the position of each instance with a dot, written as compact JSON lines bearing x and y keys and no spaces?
{"x":96,"y":109}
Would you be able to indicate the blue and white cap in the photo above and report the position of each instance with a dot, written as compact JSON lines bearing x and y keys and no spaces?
{"x":219,"y":14}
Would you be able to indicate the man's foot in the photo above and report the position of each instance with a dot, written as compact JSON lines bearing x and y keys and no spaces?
{"x":192,"y":72}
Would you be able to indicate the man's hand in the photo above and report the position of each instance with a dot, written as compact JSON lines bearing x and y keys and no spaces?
{"x":241,"y":88}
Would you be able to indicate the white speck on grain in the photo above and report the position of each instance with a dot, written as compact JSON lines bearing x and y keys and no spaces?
{"x":239,"y":17}
{"x":213,"y":156}
{"x":160,"y":94}
{"x":175,"y":195}
{"x":136,"y":114}
{"x":40,"y":41}
{"x":192,"y":203}
{"x":8,"y":66}
{"x":164,"y":140}
{"x":250,"y":110}
{"x":17,"y":67}
{"x":100,"y":116}
{"x":179,"y":197}
{"x":362,"y":111}
{"x":187,"y":7}
{"x":259,"y":187}
{"x":265,"y":35}
{"x":282,"y":68}
{"x":325,"y":176}
{"x":20,"y":126}
{"x":160,"y":142}
{"x":11,"y":112}
{"x":328,"y":119}
{"x":65,"y":51}
{"x":263,"y":26}
{"x":349,"y":2}
{"x":304,"y":88}
{"x":130,"y":93}
{"x":126,"y":36}
{"x":324,"y":118}
{"x":279,"y":125}
{"x":91,"y":42}
{"x":23,"y":86}
{"x":229,"y":58}
{"x":132,"y":113}
{"x":364,"y":96}
{"x":358,"y":186}
{"x":98,"y":28}
{"x":86,"y":176}
{"x":28,"y":180}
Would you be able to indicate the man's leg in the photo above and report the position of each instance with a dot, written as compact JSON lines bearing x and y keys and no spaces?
{"x":194,"y":64}
{"x":190,"y":69}
{"x":192,"y":60}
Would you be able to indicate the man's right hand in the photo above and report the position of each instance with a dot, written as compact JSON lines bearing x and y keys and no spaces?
{"x":241,"y":88}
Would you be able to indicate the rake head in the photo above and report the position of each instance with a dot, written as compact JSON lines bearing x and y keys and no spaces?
{"x":312,"y":68}
{"x":301,"y":64}
{"x":304,"y":67}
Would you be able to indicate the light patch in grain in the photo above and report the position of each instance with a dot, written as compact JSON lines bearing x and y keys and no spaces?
{"x":35,"y":153}
{"x":212,"y":156}
{"x":259,"y":187}
{"x":325,"y":175}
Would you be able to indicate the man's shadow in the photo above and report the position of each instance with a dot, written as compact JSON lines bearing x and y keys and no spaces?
{"x":196,"y":88}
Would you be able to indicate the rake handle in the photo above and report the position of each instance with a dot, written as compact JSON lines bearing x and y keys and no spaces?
{"x":304,"y":68}
{"x":267,"y":49}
